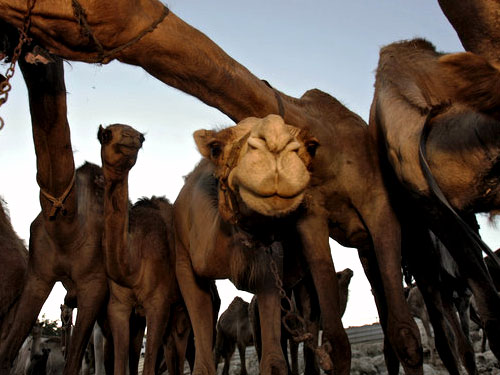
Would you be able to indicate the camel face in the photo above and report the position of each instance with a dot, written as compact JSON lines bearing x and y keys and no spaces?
{"x":263,"y":161}
{"x":120,"y":145}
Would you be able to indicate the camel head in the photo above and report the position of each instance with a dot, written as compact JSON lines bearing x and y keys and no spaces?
{"x":119,"y":147}
{"x":261,"y":163}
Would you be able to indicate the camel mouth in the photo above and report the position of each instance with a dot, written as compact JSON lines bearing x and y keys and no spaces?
{"x":271,"y":204}
{"x":129,"y":149}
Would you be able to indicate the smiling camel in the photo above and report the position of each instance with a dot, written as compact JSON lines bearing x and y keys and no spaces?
{"x":347,"y":195}
{"x":252,"y":180}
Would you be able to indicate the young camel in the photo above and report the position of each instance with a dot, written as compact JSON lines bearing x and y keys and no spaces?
{"x":138,"y":252}
{"x":348,"y":197}
{"x":65,"y":238}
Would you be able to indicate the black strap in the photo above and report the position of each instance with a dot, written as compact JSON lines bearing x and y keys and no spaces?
{"x":435,"y":189}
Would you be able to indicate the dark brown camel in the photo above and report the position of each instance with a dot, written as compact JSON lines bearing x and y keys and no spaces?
{"x":451,"y":95}
{"x":65,"y":240}
{"x":233,"y":329}
{"x":139,"y":252}
{"x":13,"y":265}
{"x":347,"y":196}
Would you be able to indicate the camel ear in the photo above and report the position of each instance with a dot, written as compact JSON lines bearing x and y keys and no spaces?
{"x":104,"y":135}
{"x":208,"y":146}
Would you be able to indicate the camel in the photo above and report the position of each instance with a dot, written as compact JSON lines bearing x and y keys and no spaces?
{"x":233,"y":329}
{"x":139,"y":252}
{"x":67,"y":326}
{"x":38,"y":365}
{"x":65,"y":240}
{"x":348,"y":194}
{"x":450,"y":98}
{"x":13,"y":266}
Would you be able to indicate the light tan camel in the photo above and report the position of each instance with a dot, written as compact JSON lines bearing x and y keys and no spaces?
{"x":139,"y":252}
{"x":454,"y":99}
{"x":13,"y":265}
{"x":347,"y":196}
{"x":65,"y":239}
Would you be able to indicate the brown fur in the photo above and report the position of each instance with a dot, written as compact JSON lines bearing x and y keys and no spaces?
{"x":476,"y":23}
{"x":13,"y":265}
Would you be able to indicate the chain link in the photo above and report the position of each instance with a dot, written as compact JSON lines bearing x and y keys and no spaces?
{"x":5,"y":85}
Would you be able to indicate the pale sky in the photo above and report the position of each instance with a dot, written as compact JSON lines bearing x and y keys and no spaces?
{"x":295,"y":45}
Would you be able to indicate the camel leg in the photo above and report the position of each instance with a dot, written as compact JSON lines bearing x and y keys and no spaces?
{"x":227,"y":361}
{"x":462,"y":342}
{"x":471,"y":265}
{"x":90,"y":301}
{"x":370,"y":266}
{"x":241,"y":350}
{"x":157,"y":318}
{"x":314,"y":234}
{"x":402,"y":330}
{"x":119,"y":320}
{"x":273,"y":361}
{"x":307,"y":304}
{"x":294,"y":356}
{"x":99,"y":350}
{"x":17,"y":326}
{"x":177,"y":341}
{"x":199,"y":305}
{"x":137,"y":328}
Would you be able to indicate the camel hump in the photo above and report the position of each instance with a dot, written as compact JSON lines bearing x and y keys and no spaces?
{"x":474,"y":80}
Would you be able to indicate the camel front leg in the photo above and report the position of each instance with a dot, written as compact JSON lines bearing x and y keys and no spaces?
{"x":273,"y":361}
{"x":199,"y":305}
{"x":17,"y":325}
{"x":402,"y":331}
{"x":119,"y":321}
{"x":314,"y":234}
{"x":90,"y":299}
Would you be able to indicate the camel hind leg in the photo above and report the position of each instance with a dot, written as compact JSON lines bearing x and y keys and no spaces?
{"x":156,"y":319}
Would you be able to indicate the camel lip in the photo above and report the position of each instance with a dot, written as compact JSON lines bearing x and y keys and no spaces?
{"x":275,"y":203}
{"x":273,"y":195}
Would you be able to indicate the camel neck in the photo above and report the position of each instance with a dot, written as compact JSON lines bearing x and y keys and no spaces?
{"x":201,"y":68}
{"x":51,"y":135}
{"x":116,"y":217}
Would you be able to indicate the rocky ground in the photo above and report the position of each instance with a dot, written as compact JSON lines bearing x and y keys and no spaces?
{"x":368,"y":359}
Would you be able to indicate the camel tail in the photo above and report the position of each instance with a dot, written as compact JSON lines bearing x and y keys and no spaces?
{"x":474,"y":81}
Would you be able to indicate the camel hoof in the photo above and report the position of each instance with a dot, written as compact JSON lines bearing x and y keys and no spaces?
{"x":409,"y":349}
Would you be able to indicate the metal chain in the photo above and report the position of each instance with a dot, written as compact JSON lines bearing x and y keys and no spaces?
{"x":300,"y":334}
{"x":5,"y":85}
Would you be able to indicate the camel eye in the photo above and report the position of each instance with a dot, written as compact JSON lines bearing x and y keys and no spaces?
{"x":215,"y":149}
{"x":311,"y":147}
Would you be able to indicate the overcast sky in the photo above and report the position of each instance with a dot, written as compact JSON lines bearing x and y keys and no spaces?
{"x":295,"y":45}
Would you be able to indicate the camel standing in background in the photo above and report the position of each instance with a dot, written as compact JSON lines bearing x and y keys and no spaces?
{"x":65,"y":238}
{"x":347,"y":196}
{"x":233,"y":329}
{"x":13,"y":265}
{"x":139,"y":253}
